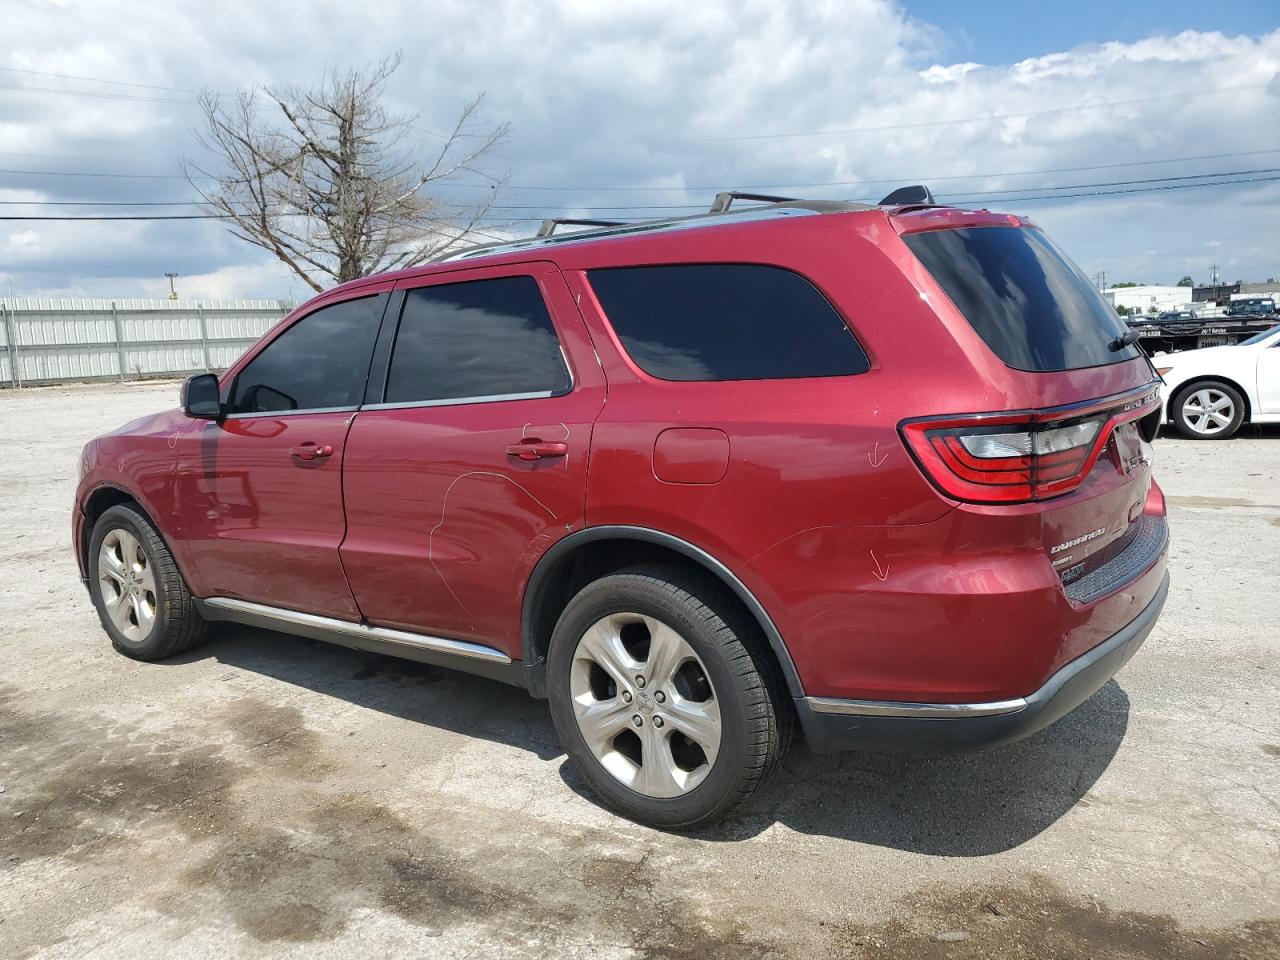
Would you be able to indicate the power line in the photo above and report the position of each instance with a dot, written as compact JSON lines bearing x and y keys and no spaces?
{"x":84,"y":173}
{"x":140,"y":216}
{"x":71,"y":156}
{"x":587,"y":188}
{"x":119,"y":83}
{"x":1052,"y":192}
{"x":971,"y":193}
{"x":1114,"y":193}
{"x":497,"y":219}
{"x":928,"y":178}
{"x":681,"y":207}
{"x":97,"y":95}
{"x":1122,"y":183}
{"x":954,"y":120}
{"x":99,"y":203}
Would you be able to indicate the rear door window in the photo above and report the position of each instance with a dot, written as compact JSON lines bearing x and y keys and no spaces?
{"x":732,"y":321}
{"x":1032,"y":306}
{"x":480,"y":339}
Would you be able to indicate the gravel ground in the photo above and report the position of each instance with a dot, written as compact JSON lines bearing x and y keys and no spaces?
{"x":269,"y":796}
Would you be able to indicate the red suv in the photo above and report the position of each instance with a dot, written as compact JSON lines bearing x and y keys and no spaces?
{"x":879,"y":470}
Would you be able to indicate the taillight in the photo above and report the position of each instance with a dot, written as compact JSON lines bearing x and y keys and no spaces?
{"x":1006,"y":459}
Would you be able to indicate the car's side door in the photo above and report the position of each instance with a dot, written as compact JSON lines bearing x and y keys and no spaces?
{"x":1269,"y":378}
{"x":260,"y":491}
{"x":471,"y":459}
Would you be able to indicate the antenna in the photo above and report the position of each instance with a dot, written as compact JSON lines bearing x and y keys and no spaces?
{"x":912,"y":195}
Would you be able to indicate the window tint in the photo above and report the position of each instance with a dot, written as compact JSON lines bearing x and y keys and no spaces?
{"x":1029,"y":303}
{"x":726,"y":322}
{"x":321,"y":361}
{"x":477,"y":339}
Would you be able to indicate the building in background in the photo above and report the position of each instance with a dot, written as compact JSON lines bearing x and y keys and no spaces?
{"x":1271,"y":288}
{"x":1149,"y":298}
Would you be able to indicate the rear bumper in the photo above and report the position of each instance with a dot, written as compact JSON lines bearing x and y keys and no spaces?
{"x":832,"y":724}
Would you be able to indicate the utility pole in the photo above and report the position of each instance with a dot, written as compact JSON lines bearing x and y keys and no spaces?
{"x":172,"y":294}
{"x":1100,"y":278}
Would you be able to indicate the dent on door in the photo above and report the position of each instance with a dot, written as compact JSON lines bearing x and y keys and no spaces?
{"x":450,"y":502}
{"x":448,"y":508}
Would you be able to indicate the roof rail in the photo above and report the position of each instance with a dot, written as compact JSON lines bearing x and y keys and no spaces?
{"x":918,"y":193}
{"x":772,"y":206}
{"x":549,"y":226}
{"x":724,"y":200}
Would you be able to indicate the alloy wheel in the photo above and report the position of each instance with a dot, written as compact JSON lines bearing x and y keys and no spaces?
{"x":1208,"y":411}
{"x":128,"y":585}
{"x":645,"y":705}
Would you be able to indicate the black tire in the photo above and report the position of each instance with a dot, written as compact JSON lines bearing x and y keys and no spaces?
{"x":1180,"y":413}
{"x":178,"y":625}
{"x":755,"y":717}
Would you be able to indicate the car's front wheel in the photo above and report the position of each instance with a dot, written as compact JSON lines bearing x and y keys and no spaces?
{"x":1208,"y":410}
{"x":140,"y":596}
{"x":664,"y":701}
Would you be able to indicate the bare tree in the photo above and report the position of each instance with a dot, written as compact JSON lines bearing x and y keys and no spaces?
{"x":327,"y":182}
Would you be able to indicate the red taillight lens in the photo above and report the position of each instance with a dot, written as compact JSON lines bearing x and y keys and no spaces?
{"x":1005,"y":459}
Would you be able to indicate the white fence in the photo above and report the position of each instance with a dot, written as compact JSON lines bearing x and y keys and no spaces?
{"x":54,"y":340}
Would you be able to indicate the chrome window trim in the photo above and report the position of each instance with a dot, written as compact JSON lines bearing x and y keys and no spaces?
{"x":459,"y":401}
{"x":288,"y":413}
{"x":886,"y":708}
{"x":403,"y":638}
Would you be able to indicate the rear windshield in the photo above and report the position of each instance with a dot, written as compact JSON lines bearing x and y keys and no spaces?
{"x":1030,"y":304}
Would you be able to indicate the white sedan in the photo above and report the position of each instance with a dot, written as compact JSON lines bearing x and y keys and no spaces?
{"x":1209,"y":393}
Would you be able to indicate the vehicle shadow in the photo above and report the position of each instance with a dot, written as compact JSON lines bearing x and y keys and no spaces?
{"x":1269,"y":431}
{"x":1248,"y":431}
{"x":458,"y":702}
{"x":959,"y":805}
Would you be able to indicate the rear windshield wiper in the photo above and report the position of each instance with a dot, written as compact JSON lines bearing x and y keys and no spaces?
{"x":1124,"y":340}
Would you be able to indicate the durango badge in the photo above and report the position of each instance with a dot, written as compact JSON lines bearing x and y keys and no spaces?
{"x":1068,"y":544}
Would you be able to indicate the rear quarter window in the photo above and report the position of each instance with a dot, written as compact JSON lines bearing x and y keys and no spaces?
{"x":1030,"y":304}
{"x":726,"y":322}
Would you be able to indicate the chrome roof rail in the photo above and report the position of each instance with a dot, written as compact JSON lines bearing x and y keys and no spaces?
{"x":724,"y":200}
{"x":549,"y":226}
{"x":770,"y":207}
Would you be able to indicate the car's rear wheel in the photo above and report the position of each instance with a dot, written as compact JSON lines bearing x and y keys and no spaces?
{"x":140,"y":596}
{"x":1208,"y":410}
{"x":664,"y":700}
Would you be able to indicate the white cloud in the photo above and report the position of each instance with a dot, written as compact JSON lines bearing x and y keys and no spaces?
{"x":22,"y":241}
{"x":948,"y":74}
{"x":636,"y":94}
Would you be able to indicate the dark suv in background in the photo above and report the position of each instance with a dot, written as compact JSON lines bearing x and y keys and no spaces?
{"x":881,"y":471}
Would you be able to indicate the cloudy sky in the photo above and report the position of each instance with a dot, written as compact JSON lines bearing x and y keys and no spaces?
{"x":636,"y":106}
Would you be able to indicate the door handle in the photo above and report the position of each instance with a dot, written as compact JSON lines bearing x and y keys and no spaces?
{"x":531,"y":448}
{"x":310,"y":451}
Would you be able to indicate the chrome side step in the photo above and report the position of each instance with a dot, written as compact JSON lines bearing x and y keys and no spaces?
{"x":441,"y":651}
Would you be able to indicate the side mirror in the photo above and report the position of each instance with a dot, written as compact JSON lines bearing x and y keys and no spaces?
{"x":200,"y":398}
